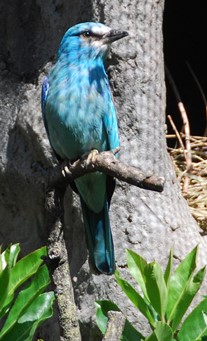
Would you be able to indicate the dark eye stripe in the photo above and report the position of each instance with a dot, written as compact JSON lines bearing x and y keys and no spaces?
{"x":91,"y":34}
{"x":87,"y":34}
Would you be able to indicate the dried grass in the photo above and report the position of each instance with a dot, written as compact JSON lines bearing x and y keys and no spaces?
{"x":196,"y":193}
{"x":190,"y":158}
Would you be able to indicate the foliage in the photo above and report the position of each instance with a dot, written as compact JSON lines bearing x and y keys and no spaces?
{"x":164,"y":301}
{"x":22,"y":313}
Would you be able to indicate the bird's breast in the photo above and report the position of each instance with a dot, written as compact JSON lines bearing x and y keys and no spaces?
{"x":75,"y":109}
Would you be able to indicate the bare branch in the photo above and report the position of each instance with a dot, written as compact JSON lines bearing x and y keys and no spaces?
{"x":105,"y":162}
{"x":58,"y":264}
{"x":176,"y":133}
{"x":115,"y":326}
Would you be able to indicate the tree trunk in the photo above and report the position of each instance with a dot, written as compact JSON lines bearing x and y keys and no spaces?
{"x":144,"y":221}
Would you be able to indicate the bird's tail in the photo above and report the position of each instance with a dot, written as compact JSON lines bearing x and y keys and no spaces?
{"x":99,"y":239}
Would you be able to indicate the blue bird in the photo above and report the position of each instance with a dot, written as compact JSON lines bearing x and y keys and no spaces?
{"x":80,"y":117}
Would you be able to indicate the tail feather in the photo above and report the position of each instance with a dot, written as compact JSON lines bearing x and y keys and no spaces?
{"x":99,"y":239}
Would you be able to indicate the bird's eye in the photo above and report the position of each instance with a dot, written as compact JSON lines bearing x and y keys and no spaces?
{"x":87,"y":34}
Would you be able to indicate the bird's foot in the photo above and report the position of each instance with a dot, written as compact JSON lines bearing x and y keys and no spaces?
{"x":90,"y":157}
{"x":86,"y":158}
{"x":65,"y":168}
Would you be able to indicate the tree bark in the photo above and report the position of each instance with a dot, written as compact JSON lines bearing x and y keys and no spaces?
{"x":147,"y":222}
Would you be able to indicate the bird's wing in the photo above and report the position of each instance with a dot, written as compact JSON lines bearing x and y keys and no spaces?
{"x":110,"y":123}
{"x":45,"y":89}
{"x":111,"y":126}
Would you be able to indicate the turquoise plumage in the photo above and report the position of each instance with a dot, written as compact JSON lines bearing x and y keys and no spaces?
{"x":79,"y":116}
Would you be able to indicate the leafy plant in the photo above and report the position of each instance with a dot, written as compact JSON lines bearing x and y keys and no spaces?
{"x":164,"y":301}
{"x":22,"y":313}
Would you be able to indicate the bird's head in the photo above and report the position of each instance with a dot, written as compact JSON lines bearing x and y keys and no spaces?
{"x":89,"y":40}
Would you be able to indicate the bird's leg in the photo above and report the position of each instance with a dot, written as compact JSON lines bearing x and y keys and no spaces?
{"x":65,"y":168}
{"x":87,"y":158}
{"x":90,"y":157}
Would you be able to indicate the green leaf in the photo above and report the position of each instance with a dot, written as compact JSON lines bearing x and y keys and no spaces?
{"x":135,"y":298}
{"x":163,"y":332}
{"x":26,"y":297}
{"x":1,"y":267}
{"x":9,"y":256}
{"x":31,"y":307}
{"x":130,"y":333}
{"x":190,"y":291}
{"x":4,"y":286}
{"x":22,"y":270}
{"x":168,"y":269}
{"x":195,"y":325}
{"x":179,"y":281}
{"x":102,"y":309}
{"x":156,"y":288}
{"x":14,"y":253}
{"x":136,"y":265}
{"x":39,"y":311}
{"x":7,"y":261}
{"x":25,"y":268}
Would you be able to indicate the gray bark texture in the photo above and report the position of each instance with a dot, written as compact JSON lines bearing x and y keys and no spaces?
{"x":147,"y":222}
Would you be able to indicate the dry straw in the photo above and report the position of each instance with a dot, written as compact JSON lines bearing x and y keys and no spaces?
{"x":190,"y":160}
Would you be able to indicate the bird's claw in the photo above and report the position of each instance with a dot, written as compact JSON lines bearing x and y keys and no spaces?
{"x":91,"y":156}
{"x":65,"y":168}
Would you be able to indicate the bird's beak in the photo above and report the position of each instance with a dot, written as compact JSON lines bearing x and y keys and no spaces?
{"x":114,"y":35}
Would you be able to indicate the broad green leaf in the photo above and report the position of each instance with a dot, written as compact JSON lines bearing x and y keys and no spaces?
{"x":14,"y":253}
{"x":102,"y":309}
{"x":9,"y":256}
{"x":4,"y":259}
{"x":130,"y":333}
{"x":156,"y":288}
{"x":22,"y":270}
{"x":39,"y":308}
{"x":136,"y":265}
{"x":195,"y":325}
{"x":190,"y":291}
{"x":135,"y":298}
{"x":26,"y":297}
{"x":4,"y":286}
{"x":39,"y":311}
{"x":168,"y":269}
{"x":25,"y":268}
{"x":179,"y":281}
{"x":8,"y":260}
{"x":163,"y":332}
{"x":6,"y":306}
{"x":0,"y":260}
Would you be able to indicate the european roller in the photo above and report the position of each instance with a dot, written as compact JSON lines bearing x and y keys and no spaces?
{"x":79,"y":117}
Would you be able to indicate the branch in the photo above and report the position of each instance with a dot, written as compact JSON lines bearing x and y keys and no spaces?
{"x":115,"y":326}
{"x":58,"y":264}
{"x":57,"y":252}
{"x":107,"y":163}
{"x":177,"y":133}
